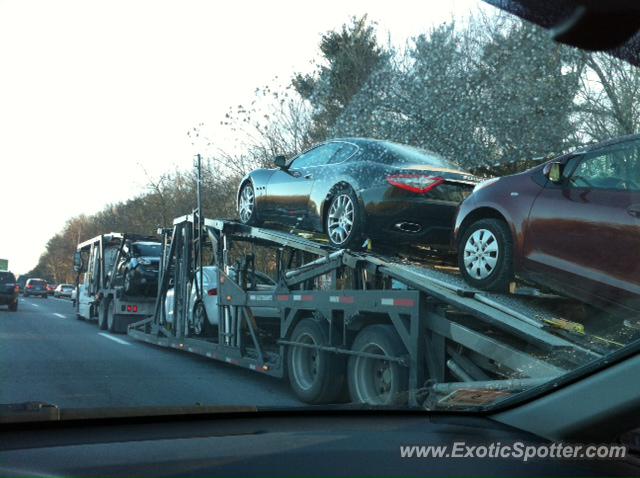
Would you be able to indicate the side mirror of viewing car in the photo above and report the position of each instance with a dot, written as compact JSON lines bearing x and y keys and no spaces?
{"x":77,"y":262}
{"x":280,"y":161}
{"x":553,"y":172}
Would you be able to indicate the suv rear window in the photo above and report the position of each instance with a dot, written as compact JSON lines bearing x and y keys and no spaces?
{"x":7,"y":278}
{"x":36,"y":282}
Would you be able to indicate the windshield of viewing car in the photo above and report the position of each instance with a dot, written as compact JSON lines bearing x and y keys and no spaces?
{"x":337,"y":282}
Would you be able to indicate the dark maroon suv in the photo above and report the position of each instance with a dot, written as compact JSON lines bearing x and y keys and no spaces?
{"x":572,"y":224}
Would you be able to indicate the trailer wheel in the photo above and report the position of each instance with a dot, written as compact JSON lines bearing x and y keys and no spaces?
{"x":378,"y":381}
{"x":102,"y":313}
{"x":316,"y":376}
{"x":111,"y":317}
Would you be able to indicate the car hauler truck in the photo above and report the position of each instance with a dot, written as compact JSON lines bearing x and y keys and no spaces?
{"x":104,"y":289}
{"x":354,"y":325}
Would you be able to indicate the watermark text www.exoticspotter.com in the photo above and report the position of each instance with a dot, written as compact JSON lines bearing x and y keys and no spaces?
{"x":517,"y":451}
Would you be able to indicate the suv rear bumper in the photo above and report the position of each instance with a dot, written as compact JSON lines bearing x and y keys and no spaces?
{"x":6,"y":299}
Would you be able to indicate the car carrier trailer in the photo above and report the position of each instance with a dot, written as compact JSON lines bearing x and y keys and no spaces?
{"x":100,"y":294}
{"x":355,"y":326}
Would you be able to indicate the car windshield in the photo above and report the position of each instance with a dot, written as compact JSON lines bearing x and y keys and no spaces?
{"x":459,"y":229}
{"x":146,"y":249}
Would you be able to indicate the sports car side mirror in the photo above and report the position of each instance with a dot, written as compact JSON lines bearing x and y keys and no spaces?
{"x":280,"y":161}
{"x":553,"y":172}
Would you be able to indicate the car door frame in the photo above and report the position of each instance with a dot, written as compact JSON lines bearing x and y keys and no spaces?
{"x":570,"y":280}
{"x":299,"y":213}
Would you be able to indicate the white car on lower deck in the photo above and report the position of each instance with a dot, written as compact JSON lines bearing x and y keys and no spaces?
{"x":205,"y":314}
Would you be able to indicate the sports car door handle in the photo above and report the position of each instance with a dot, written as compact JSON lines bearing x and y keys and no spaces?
{"x":634,"y":210}
{"x":308,"y":176}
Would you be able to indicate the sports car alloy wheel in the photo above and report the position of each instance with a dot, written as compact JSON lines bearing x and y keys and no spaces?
{"x":246,"y":204}
{"x":481,"y":254}
{"x":340,"y":219}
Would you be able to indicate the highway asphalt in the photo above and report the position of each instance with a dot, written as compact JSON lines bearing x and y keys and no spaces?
{"x":47,"y":355}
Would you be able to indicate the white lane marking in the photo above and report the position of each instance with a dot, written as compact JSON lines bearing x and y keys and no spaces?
{"x":60,"y":315}
{"x":35,"y":305}
{"x":115,"y":339}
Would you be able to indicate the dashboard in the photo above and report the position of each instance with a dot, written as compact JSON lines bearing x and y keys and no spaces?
{"x":274,"y":444}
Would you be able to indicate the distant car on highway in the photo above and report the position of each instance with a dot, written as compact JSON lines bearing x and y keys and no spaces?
{"x":36,"y":287}
{"x":205,"y":314}
{"x":572,"y":224}
{"x":51,"y":288}
{"x":64,"y":290}
{"x":22,"y":282}
{"x":355,"y":188}
{"x":8,"y":290}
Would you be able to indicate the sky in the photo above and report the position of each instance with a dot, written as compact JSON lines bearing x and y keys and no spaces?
{"x":97,"y":96}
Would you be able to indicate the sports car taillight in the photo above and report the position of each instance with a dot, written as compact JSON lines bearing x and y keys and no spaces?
{"x":416,"y":183}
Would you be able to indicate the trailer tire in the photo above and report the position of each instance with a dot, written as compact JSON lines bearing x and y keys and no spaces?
{"x":102,"y":313}
{"x":373,"y":381}
{"x":315,"y":376}
{"x":112,"y":323}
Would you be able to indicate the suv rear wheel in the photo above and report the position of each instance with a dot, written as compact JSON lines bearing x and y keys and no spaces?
{"x":485,"y":255}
